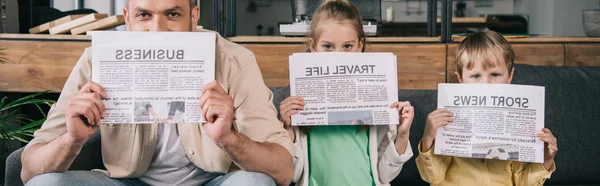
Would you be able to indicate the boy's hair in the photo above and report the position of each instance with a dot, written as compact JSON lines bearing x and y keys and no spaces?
{"x":338,"y":10}
{"x":487,"y":47}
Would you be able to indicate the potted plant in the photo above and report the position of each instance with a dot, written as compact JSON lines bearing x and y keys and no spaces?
{"x":199,"y":24}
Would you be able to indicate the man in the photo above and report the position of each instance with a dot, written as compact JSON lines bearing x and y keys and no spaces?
{"x":167,"y":154}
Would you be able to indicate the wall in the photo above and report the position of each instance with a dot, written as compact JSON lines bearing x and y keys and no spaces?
{"x":556,"y":17}
{"x":267,"y":16}
{"x":568,"y":19}
{"x":103,"y":6}
{"x":407,"y":11}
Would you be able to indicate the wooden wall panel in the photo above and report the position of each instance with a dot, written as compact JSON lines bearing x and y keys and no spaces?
{"x":273,"y":61}
{"x":582,"y":54}
{"x":420,"y":66}
{"x":532,"y":54}
{"x":33,"y":66}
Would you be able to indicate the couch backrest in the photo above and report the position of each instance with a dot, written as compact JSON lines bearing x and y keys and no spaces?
{"x":572,"y":113}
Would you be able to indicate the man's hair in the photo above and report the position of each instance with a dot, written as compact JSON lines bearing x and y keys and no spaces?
{"x":193,"y":3}
{"x":486,"y":47}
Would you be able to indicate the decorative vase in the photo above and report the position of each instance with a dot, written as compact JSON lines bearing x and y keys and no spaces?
{"x":591,"y":22}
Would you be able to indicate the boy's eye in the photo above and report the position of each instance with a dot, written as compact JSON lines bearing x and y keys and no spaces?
{"x":347,"y":46}
{"x":173,"y":14}
{"x":496,"y":75}
{"x":328,"y":46}
{"x":476,"y":76}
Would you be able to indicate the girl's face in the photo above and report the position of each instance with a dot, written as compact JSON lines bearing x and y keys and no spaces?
{"x":336,"y":36}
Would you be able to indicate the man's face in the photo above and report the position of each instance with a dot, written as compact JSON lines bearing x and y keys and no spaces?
{"x":160,"y":15}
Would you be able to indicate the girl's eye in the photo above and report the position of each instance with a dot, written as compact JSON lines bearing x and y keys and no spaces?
{"x":328,"y":46}
{"x":476,"y":76}
{"x":348,"y":46}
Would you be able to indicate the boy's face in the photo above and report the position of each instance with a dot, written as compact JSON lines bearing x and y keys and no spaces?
{"x":336,"y":37}
{"x":497,"y":75}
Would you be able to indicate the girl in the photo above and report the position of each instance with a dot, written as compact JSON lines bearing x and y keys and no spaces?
{"x":345,"y":155}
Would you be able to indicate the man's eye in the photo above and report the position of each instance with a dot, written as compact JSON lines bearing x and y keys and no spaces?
{"x":174,"y":14}
{"x":143,"y":15}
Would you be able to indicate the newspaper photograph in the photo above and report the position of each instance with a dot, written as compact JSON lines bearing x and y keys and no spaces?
{"x":492,"y":121}
{"x":344,"y":88}
{"x":152,"y":77}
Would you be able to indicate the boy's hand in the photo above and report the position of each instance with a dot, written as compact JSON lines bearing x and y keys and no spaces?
{"x":288,"y":107}
{"x":435,"y":120}
{"x":406,"y":112}
{"x":550,"y":147}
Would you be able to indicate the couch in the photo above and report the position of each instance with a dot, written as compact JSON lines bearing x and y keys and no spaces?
{"x":572,"y":113}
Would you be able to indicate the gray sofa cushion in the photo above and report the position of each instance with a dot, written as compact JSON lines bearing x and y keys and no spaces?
{"x":573,"y":116}
{"x":89,"y":158}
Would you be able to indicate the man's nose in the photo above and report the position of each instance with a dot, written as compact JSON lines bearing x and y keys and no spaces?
{"x":158,"y":25}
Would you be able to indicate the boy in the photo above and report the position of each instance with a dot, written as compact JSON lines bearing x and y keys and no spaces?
{"x":485,"y":57}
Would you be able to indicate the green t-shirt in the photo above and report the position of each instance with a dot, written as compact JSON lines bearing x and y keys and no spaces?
{"x":339,"y":155}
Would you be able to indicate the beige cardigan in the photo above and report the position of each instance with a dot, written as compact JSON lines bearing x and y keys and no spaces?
{"x":386,"y":163}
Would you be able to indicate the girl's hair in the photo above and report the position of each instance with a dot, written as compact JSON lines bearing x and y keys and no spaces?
{"x":337,"y":10}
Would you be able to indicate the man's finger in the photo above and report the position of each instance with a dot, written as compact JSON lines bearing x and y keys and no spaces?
{"x":292,"y":107}
{"x":214,"y":86}
{"x":292,"y":101}
{"x":94,"y":98}
{"x":291,"y":98}
{"x":93,"y":87}
{"x":89,"y":106}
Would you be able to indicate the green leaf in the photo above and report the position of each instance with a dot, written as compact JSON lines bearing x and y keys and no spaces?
{"x":15,"y":126}
{"x":25,"y":102}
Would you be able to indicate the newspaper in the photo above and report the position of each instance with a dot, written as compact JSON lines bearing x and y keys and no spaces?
{"x":152,"y":77}
{"x":492,"y":121}
{"x":344,"y":88}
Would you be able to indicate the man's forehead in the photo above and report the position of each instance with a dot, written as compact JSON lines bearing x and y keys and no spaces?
{"x":158,"y":4}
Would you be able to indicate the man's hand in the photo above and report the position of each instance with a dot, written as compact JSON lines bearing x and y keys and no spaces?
{"x":435,"y":120}
{"x":550,"y":147}
{"x":217,"y":110}
{"x":84,"y":112}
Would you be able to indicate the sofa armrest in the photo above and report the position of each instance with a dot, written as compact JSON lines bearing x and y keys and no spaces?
{"x":89,"y":158}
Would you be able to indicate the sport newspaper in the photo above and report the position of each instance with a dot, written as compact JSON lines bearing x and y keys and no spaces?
{"x":152,"y":77}
{"x":344,"y":88}
{"x":492,"y":121}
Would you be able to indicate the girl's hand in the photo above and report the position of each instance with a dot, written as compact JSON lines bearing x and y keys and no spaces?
{"x":288,"y":107}
{"x":550,"y":147}
{"x":406,"y":114}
